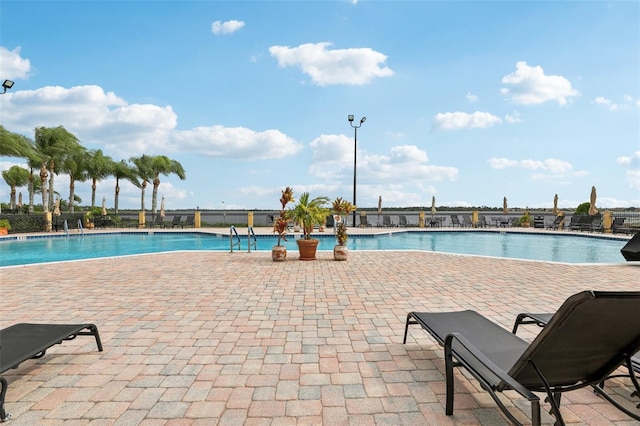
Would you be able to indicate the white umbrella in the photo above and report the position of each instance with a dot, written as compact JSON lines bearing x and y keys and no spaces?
{"x":555,"y":205}
{"x":20,"y":200}
{"x":56,"y":209}
{"x":104,"y":206}
{"x":162,"y":207}
{"x":505,"y":210}
{"x":433,"y":205}
{"x":592,"y":206}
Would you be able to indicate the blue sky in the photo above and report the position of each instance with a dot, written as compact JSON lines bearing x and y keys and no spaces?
{"x":469,"y":102}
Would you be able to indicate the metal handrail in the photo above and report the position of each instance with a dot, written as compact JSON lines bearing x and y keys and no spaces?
{"x":250,"y":243}
{"x":232,"y":232}
{"x":66,"y":227}
{"x":80,"y":228}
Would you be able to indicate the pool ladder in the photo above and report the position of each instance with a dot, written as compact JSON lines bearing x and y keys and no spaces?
{"x":66,"y":227}
{"x":235,"y":241}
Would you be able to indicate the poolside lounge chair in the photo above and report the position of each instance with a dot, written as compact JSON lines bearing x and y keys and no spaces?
{"x":188,"y":222}
{"x":482,"y":222}
{"x":386,"y":221}
{"x":402,"y":221}
{"x":21,"y":342}
{"x":467,"y":221}
{"x":596,"y":225}
{"x":455,"y":221}
{"x":176,"y":221}
{"x":580,"y":222}
{"x":631,"y":250}
{"x":364,"y":222}
{"x":633,"y":364}
{"x":556,"y":223}
{"x":156,"y":222}
{"x":565,"y":356}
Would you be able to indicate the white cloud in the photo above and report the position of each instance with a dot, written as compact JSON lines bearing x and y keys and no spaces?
{"x":227,"y":27}
{"x":404,"y":165}
{"x":530,"y":86}
{"x":513,"y":118}
{"x":551,"y":165}
{"x":357,"y":66}
{"x":236,"y":142}
{"x":633,"y":173}
{"x":463,"y":120}
{"x":502,"y":163}
{"x":471,"y":98}
{"x":12,"y":65}
{"x":92,"y":115}
{"x":610,"y":105}
{"x":104,"y":119}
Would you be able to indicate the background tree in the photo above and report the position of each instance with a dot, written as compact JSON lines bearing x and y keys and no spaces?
{"x":75,"y":165}
{"x":122,"y":170}
{"x":53,"y":144}
{"x":14,"y":144}
{"x":163,"y":165}
{"x":15,"y":177}
{"x":144,"y":171}
{"x":98,"y":167}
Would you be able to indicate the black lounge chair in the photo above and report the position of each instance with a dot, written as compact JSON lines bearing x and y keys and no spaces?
{"x":631,"y":250}
{"x":566,"y":355}
{"x":188,"y":222}
{"x":176,"y":221}
{"x":542,"y":319}
{"x":21,"y":342}
{"x":455,"y":221}
{"x":556,"y":223}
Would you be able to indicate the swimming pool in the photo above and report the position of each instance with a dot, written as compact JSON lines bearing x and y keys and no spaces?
{"x":545,"y":247}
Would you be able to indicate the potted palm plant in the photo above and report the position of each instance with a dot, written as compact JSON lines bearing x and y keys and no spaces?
{"x":5,"y":226}
{"x":342,"y":209}
{"x":280,"y":225}
{"x":309,"y":213}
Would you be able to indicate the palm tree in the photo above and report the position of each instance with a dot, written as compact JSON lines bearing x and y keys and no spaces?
{"x":34,"y":185}
{"x":98,"y":167}
{"x":14,"y":144}
{"x":122,"y":170}
{"x":144,"y":171}
{"x":163,"y":165}
{"x":53,"y":144}
{"x":16,"y":176}
{"x":75,"y":165}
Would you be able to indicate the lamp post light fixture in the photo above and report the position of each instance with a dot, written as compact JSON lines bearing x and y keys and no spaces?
{"x":8,"y":84}
{"x":355,"y":150}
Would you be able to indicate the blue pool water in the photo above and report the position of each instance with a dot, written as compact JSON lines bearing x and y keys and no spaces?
{"x":545,"y":247}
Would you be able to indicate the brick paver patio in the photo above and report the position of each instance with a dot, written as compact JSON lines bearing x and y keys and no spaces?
{"x":219,"y":338}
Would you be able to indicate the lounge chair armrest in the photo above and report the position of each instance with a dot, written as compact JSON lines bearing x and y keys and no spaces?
{"x":479,"y":356}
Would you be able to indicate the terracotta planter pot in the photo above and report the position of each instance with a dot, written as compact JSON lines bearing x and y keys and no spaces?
{"x":340,"y":252}
{"x":4,"y":231}
{"x":278,"y":253}
{"x":308,"y":249}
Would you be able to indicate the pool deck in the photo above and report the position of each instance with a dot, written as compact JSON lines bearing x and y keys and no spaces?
{"x":236,"y":339}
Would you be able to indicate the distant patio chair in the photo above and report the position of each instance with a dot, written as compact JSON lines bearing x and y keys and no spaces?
{"x":176,"y":221}
{"x":386,"y":221}
{"x":402,"y":221}
{"x":455,"y":221}
{"x":188,"y":222}
{"x":556,"y":223}
{"x":364,"y":222}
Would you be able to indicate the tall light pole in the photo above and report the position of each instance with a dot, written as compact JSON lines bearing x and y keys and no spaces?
{"x":355,"y":151}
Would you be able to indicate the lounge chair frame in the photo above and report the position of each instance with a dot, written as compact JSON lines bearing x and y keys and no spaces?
{"x":500,"y":360}
{"x":24,"y":341}
{"x":632,"y":363}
